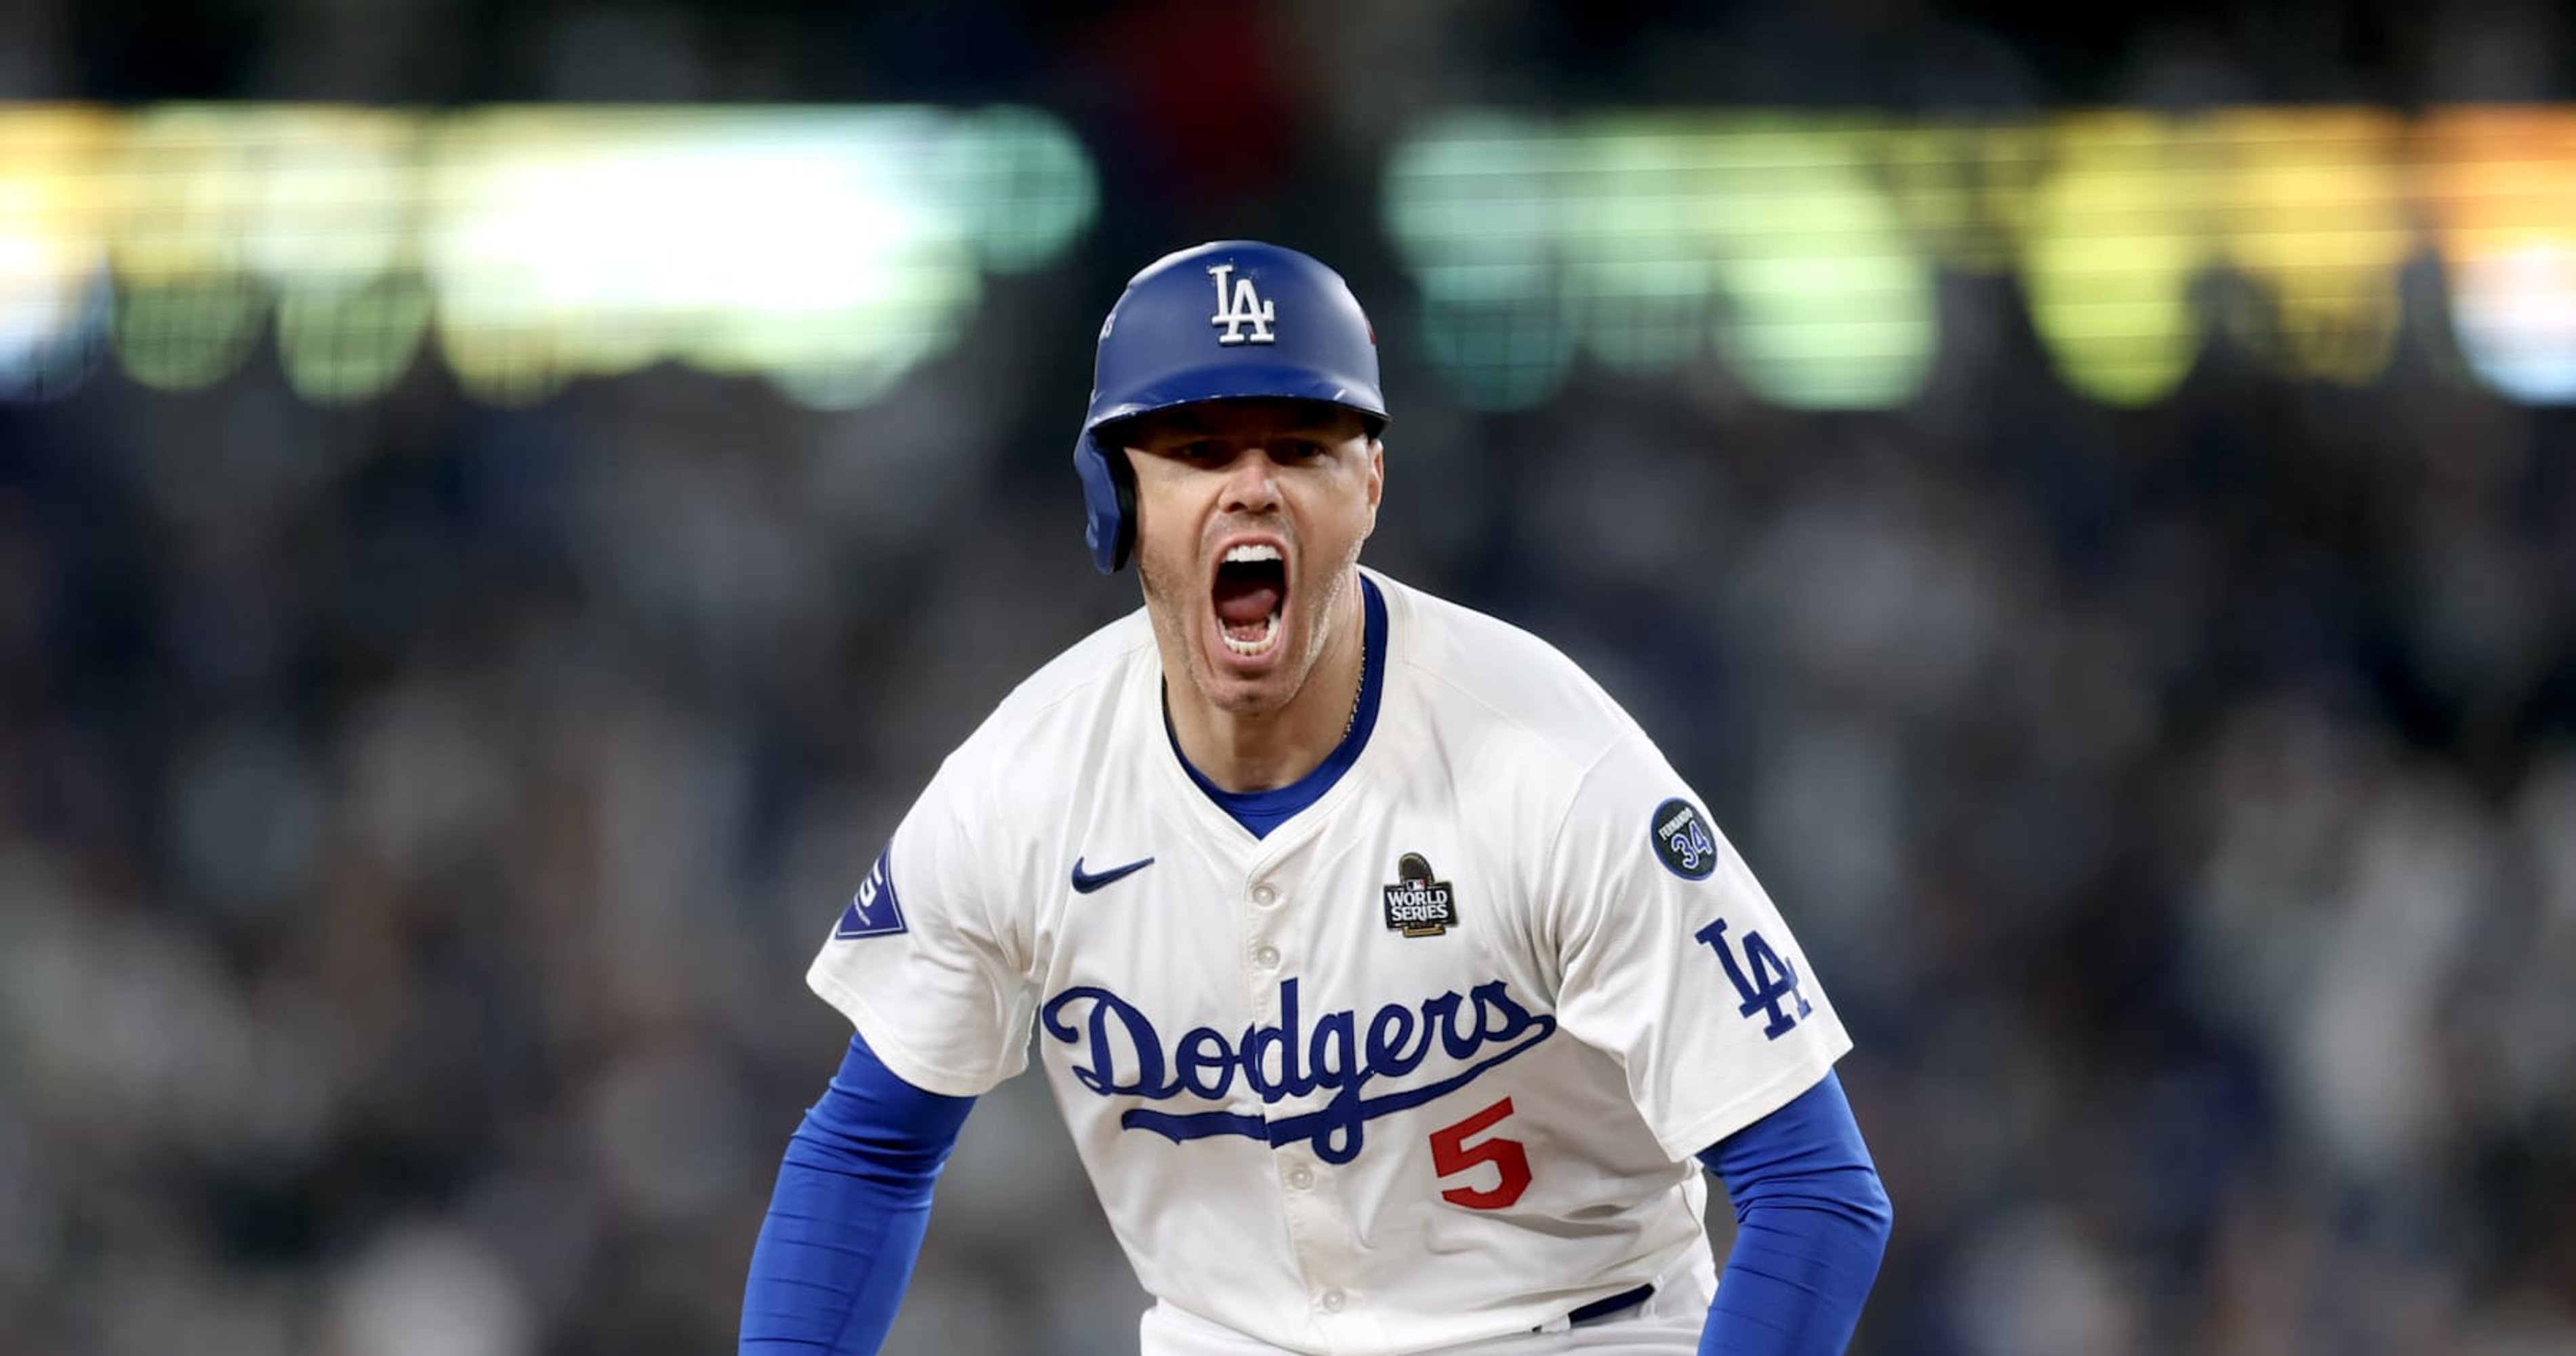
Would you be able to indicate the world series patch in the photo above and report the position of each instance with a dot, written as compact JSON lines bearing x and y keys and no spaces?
{"x":1683,"y":841}
{"x":1417,"y":905}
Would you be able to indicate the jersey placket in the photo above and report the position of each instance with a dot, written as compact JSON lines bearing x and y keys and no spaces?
{"x":1319,"y":1229}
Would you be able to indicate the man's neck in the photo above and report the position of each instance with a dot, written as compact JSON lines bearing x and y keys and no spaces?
{"x":1244,"y":752}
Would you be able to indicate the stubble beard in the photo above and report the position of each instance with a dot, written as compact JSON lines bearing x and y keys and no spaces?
{"x":1180,"y":634}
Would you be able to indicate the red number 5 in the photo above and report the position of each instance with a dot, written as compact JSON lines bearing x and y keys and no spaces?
{"x":1452,"y":1154}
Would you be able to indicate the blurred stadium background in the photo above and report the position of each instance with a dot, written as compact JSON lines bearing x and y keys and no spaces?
{"x":502,"y":506}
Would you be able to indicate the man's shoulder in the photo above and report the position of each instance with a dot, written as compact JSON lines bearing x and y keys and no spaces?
{"x":1092,"y":666}
{"x":1045,"y":721}
{"x":1479,"y":668}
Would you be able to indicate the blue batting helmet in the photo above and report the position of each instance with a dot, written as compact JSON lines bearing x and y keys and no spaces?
{"x":1230,"y":320}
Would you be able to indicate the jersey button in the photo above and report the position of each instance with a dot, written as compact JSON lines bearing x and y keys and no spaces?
{"x":1268,"y":957}
{"x":1301,"y":1177}
{"x":1333,"y":1300}
{"x":1264,"y":896}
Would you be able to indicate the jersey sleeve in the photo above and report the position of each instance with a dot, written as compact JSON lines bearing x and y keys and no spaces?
{"x":1674,"y":961}
{"x":918,"y":961}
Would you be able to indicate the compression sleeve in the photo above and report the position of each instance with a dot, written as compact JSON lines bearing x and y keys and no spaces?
{"x":844,"y":1226}
{"x":1812,"y":1221}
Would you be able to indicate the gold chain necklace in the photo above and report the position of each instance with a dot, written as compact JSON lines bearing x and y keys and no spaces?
{"x":1359,"y":692}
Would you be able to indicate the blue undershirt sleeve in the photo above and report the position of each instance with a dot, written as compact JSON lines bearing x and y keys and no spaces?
{"x":1812,"y":1221}
{"x":844,"y":1226}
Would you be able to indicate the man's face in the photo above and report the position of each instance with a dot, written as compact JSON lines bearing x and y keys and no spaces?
{"x":1249,"y":520}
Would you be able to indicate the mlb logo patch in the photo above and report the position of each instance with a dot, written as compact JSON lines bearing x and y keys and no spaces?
{"x":873,"y":911}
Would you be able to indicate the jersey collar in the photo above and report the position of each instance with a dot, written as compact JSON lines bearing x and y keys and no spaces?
{"x":1261,"y":811}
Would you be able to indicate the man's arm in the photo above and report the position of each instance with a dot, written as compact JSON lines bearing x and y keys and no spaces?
{"x":845,"y":1224}
{"x":1812,"y":1221}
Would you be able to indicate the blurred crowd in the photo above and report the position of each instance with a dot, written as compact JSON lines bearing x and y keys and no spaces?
{"x":415,"y":818}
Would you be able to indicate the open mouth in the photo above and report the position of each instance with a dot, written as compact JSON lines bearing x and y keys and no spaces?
{"x":1250,"y":590}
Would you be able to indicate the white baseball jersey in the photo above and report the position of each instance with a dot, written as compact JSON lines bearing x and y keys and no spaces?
{"x":1425,"y":1065}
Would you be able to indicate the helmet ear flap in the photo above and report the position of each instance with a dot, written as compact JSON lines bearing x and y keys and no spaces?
{"x":1122,"y":477}
{"x":1108,"y":502}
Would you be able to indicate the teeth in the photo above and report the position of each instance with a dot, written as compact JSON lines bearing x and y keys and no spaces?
{"x":1269,"y":633}
{"x":1251,"y":552}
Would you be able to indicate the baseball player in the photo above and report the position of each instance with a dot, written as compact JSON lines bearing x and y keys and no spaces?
{"x":1394,"y":988}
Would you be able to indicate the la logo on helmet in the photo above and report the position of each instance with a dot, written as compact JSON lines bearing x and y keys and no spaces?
{"x":1243,"y":306}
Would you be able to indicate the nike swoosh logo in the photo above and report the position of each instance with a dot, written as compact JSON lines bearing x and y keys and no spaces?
{"x":1084,"y":883}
